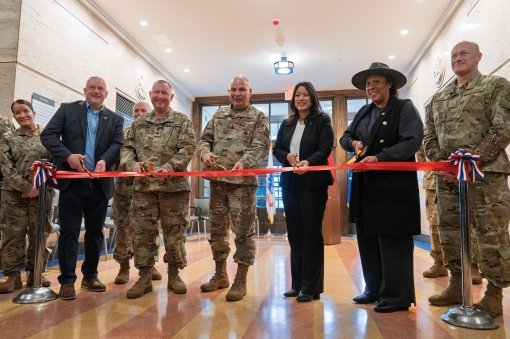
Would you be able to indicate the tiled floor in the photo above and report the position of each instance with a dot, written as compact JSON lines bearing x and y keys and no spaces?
{"x":263,"y":313}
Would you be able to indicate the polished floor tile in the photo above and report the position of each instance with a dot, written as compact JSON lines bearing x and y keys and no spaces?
{"x":263,"y":313}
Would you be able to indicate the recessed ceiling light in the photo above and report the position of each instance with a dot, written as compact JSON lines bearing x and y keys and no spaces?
{"x":391,"y":56}
{"x":168,"y":50}
{"x":144,"y":23}
{"x":404,"y":32}
{"x":186,"y":70}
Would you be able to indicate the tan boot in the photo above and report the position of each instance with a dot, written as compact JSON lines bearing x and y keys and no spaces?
{"x":437,"y":270}
{"x":218,"y":280}
{"x":30,"y":280}
{"x":492,"y":302}
{"x":142,"y":286}
{"x":155,"y":275}
{"x":452,"y":294}
{"x":123,"y":275}
{"x":175,"y":283}
{"x":476,"y":278}
{"x":238,"y":289}
{"x":12,"y":283}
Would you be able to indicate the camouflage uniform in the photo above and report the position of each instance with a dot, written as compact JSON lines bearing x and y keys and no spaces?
{"x":5,"y":126}
{"x":429,"y":185}
{"x":234,"y":136}
{"x":168,"y":143}
{"x":476,"y":117}
{"x":18,"y":150}
{"x":121,"y":204}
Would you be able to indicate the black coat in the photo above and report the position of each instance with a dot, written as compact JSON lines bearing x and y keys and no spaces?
{"x":387,"y":202}
{"x":66,"y":134}
{"x":316,"y":144}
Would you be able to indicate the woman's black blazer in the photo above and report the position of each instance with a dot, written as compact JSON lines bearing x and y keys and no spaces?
{"x":316,"y":145}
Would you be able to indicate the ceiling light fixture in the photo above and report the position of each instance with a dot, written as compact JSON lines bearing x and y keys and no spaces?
{"x":391,"y":56}
{"x":404,"y":32}
{"x":144,"y":23}
{"x":168,"y":50}
{"x":284,"y":66}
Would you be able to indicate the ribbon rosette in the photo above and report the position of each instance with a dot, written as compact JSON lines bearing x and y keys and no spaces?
{"x":468,"y":165}
{"x":42,"y":171}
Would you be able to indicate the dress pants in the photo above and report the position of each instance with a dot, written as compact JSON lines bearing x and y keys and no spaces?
{"x":304,"y":211}
{"x":83,"y":199}
{"x":387,"y":264}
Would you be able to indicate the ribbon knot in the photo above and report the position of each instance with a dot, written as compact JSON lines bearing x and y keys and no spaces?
{"x":467,"y":163}
{"x":42,"y":171}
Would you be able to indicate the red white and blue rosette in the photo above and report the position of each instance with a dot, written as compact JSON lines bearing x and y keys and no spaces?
{"x":42,"y":171}
{"x":467,"y":164}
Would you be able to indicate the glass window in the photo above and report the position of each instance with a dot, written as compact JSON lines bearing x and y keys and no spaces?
{"x":207,"y":113}
{"x":353,"y":106}
{"x":327,"y":106}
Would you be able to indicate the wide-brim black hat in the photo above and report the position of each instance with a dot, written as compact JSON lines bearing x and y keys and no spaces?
{"x":398,"y":79}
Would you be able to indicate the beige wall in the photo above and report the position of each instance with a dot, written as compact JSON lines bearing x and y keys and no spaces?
{"x":9,"y":21}
{"x":487,"y":24}
{"x":62,"y":43}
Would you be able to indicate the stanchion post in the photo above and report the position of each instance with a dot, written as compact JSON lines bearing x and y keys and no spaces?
{"x":466,"y":315}
{"x":37,"y":293}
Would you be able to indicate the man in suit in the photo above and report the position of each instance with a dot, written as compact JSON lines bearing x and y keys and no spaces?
{"x":83,"y":135}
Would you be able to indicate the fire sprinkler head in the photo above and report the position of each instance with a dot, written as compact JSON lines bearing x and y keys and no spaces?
{"x":276,"y":22}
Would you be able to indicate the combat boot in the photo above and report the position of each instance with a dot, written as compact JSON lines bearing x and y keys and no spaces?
{"x":437,"y":270}
{"x":12,"y":283}
{"x":142,"y":286}
{"x":123,"y":275}
{"x":452,"y":294}
{"x":492,"y":302}
{"x":218,"y":280}
{"x":175,"y":283}
{"x":238,"y":289}
{"x":155,"y":275}
{"x":30,"y":280}
{"x":476,"y":278}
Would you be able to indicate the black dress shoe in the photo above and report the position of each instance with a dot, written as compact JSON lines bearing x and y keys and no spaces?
{"x":364,"y":299}
{"x":389,"y":308}
{"x":291,"y":293}
{"x":304,"y":298}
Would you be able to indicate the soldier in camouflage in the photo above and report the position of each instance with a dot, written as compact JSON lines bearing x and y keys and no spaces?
{"x":237,"y":137}
{"x":473,"y":113}
{"x":18,"y":151}
{"x":123,"y":250}
{"x":438,"y":269}
{"x":5,"y":126}
{"x":164,"y":138}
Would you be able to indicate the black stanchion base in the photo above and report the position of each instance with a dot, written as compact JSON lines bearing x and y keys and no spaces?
{"x":469,"y":317}
{"x":35,"y":295}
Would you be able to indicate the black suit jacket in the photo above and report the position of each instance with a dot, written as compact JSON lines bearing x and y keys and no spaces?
{"x":316,"y":144}
{"x":66,"y":134}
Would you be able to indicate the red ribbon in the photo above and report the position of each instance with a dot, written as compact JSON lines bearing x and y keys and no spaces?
{"x":445,"y":166}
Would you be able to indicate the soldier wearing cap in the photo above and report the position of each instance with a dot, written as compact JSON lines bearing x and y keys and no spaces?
{"x":473,"y":113}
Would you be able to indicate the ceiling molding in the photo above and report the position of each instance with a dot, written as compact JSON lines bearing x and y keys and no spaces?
{"x":442,"y":22}
{"x":121,"y":33}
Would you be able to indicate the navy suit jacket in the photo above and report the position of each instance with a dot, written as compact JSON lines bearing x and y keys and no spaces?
{"x":316,"y":145}
{"x":66,"y":134}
